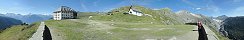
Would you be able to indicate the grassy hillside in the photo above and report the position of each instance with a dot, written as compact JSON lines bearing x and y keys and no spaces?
{"x":119,"y":26}
{"x":158,"y":24}
{"x":80,"y":29}
{"x":19,"y":32}
{"x":163,"y":16}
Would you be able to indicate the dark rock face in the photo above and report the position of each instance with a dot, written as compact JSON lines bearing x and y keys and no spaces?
{"x":233,"y":28}
{"x":6,"y":22}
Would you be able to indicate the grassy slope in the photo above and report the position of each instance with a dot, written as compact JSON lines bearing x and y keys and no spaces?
{"x":69,"y":29}
{"x":125,"y":27}
{"x":77,"y":30}
{"x":162,"y":16}
{"x":19,"y":32}
{"x":121,"y":27}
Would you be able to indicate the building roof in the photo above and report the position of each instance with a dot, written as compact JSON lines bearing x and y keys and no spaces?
{"x":64,"y":9}
{"x":136,"y":11}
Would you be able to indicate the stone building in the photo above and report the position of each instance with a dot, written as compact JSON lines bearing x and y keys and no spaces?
{"x":64,"y":12}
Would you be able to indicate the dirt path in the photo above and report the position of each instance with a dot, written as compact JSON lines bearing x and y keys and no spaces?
{"x":93,"y":24}
{"x":42,"y":33}
{"x":211,"y":35}
{"x":39,"y":32}
{"x":99,"y":25}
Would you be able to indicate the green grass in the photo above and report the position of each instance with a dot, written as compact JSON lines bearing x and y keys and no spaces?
{"x":80,"y":30}
{"x":19,"y":32}
{"x":124,"y":18}
{"x":126,"y":27}
{"x":162,"y":25}
{"x":149,"y":30}
{"x":69,"y":29}
{"x":163,"y":16}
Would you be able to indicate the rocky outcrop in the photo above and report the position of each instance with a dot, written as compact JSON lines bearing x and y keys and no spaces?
{"x":233,"y":28}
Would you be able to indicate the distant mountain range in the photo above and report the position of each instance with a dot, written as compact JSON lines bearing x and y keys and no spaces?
{"x":6,"y":22}
{"x":29,"y":18}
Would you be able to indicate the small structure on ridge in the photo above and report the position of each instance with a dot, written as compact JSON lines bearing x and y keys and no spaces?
{"x":134,"y":12}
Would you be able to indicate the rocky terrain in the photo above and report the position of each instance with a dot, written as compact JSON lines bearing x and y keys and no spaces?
{"x":232,"y":27}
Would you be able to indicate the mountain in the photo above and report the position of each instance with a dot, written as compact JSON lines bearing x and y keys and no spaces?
{"x":6,"y":22}
{"x":159,"y":24}
{"x":222,"y":17}
{"x":233,"y":28}
{"x":164,"y":16}
{"x":29,"y":18}
{"x":188,"y":17}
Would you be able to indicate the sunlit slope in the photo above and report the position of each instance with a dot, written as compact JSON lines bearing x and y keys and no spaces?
{"x":107,"y":30}
{"x":19,"y":32}
{"x":117,"y":27}
{"x":157,"y":24}
{"x":162,"y":16}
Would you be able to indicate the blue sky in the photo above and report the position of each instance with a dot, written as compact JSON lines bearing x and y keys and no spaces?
{"x":205,"y":7}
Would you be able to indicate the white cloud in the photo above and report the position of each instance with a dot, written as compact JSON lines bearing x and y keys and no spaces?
{"x":198,"y":8}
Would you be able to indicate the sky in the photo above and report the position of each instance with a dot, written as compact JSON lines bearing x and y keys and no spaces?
{"x":205,"y":7}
